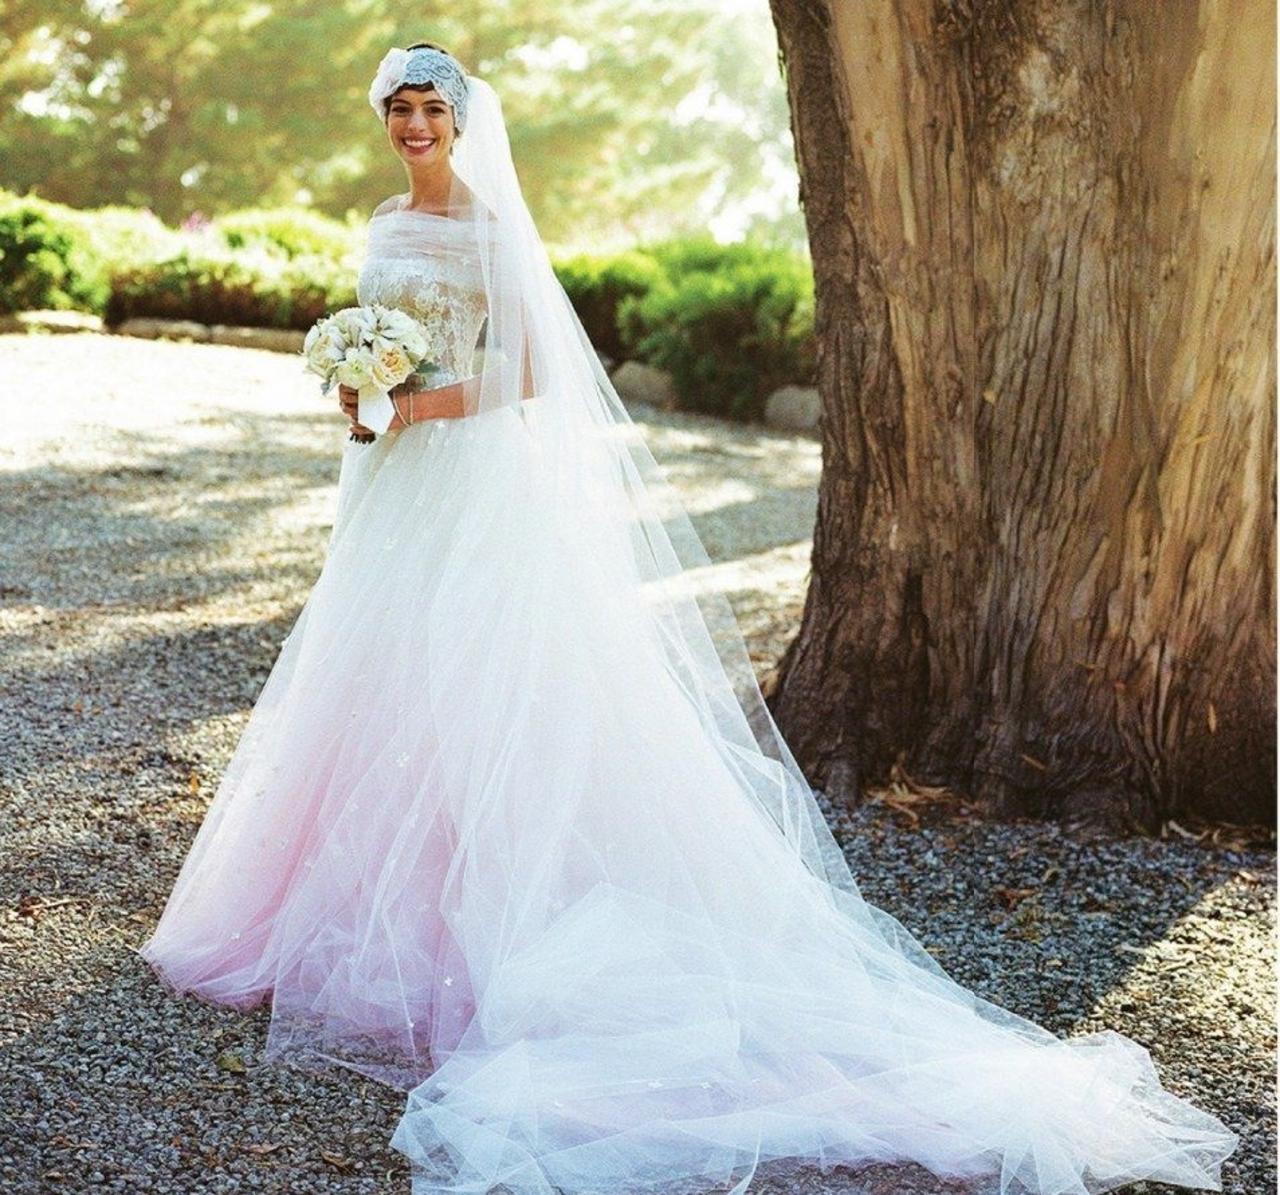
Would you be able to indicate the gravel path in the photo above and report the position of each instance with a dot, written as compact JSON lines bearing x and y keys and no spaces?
{"x":164,"y":509}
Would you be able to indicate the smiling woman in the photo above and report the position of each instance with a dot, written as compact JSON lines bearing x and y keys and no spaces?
{"x":512,"y":828}
{"x":421,"y":122}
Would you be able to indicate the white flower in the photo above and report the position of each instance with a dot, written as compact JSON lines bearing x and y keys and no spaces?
{"x":323,"y":349}
{"x":314,"y":334}
{"x":354,"y":324}
{"x":369,"y":348}
{"x":356,"y":368}
{"x":390,"y":365}
{"x":387,"y":78}
{"x":395,"y":323}
{"x":330,"y":350}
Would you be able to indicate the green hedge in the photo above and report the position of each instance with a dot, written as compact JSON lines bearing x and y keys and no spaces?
{"x":292,"y":232}
{"x":729,"y":322}
{"x":123,"y":236}
{"x":598,"y":285}
{"x":250,"y":287}
{"x":45,"y":261}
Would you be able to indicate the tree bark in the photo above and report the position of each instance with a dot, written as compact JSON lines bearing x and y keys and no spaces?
{"x":1043,"y":238}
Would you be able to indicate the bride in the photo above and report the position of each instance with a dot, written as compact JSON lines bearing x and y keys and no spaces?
{"x":511,"y":828}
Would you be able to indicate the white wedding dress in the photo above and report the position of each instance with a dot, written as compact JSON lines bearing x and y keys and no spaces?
{"x":498,"y":833}
{"x":477,"y":841}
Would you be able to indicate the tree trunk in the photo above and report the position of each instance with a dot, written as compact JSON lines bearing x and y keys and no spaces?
{"x":1043,"y":238}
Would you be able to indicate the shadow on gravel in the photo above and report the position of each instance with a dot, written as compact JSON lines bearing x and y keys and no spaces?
{"x":163,"y":510}
{"x":128,"y":1088}
{"x":747,"y":489}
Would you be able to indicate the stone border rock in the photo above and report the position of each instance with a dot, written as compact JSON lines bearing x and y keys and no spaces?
{"x":51,"y":321}
{"x":280,"y":340}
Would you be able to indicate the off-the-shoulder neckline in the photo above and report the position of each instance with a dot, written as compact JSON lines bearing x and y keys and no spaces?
{"x":400,"y":209}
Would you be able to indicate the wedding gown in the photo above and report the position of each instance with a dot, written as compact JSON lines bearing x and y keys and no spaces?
{"x":482,"y":841}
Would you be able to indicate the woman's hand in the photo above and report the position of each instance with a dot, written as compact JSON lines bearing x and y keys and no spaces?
{"x":349,"y":401}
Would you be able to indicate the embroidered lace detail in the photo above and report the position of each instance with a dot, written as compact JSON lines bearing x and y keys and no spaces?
{"x":442,"y":288}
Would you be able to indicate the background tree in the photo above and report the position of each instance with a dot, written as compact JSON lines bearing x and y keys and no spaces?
{"x":628,"y":118}
{"x":1044,"y":244}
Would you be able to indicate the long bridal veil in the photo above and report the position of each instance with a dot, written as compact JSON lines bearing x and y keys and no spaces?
{"x":535,"y":347}
{"x":660,"y":969}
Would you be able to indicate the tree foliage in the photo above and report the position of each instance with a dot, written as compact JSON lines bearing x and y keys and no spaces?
{"x":628,"y":118}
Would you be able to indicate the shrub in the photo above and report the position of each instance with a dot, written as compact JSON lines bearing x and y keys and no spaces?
{"x":45,"y":260}
{"x":247,"y":287}
{"x":729,"y":322}
{"x":291,"y":232}
{"x":124,"y":236}
{"x":597,"y":285}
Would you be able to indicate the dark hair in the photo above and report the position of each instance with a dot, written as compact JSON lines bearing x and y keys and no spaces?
{"x":418,"y":45}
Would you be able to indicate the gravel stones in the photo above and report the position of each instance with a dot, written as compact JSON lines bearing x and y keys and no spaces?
{"x":164,"y":509}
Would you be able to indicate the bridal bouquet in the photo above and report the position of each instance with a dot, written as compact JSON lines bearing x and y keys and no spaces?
{"x":371,"y":349}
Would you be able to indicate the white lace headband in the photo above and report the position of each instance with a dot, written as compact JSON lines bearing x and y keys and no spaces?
{"x":418,"y":68}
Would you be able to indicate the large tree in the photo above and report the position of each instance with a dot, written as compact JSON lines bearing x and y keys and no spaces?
{"x":1043,"y":236}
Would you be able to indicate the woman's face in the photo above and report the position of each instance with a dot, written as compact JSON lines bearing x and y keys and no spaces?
{"x":420,"y":126}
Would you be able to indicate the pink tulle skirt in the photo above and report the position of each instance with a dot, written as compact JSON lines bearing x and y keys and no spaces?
{"x":477,"y":842}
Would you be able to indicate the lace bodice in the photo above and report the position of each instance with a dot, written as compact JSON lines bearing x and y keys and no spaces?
{"x":427,"y":265}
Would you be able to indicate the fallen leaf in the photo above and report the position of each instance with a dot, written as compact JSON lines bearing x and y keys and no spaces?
{"x":229,"y":1060}
{"x":1011,"y":897}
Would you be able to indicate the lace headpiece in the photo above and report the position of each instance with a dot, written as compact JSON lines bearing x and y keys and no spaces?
{"x":418,"y":68}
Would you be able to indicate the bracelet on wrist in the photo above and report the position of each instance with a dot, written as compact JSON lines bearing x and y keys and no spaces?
{"x":399,"y":393}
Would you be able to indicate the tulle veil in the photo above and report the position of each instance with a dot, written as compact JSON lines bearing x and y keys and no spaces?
{"x":536,"y":347}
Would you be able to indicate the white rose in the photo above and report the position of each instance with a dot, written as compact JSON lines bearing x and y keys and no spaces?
{"x":390,"y":365}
